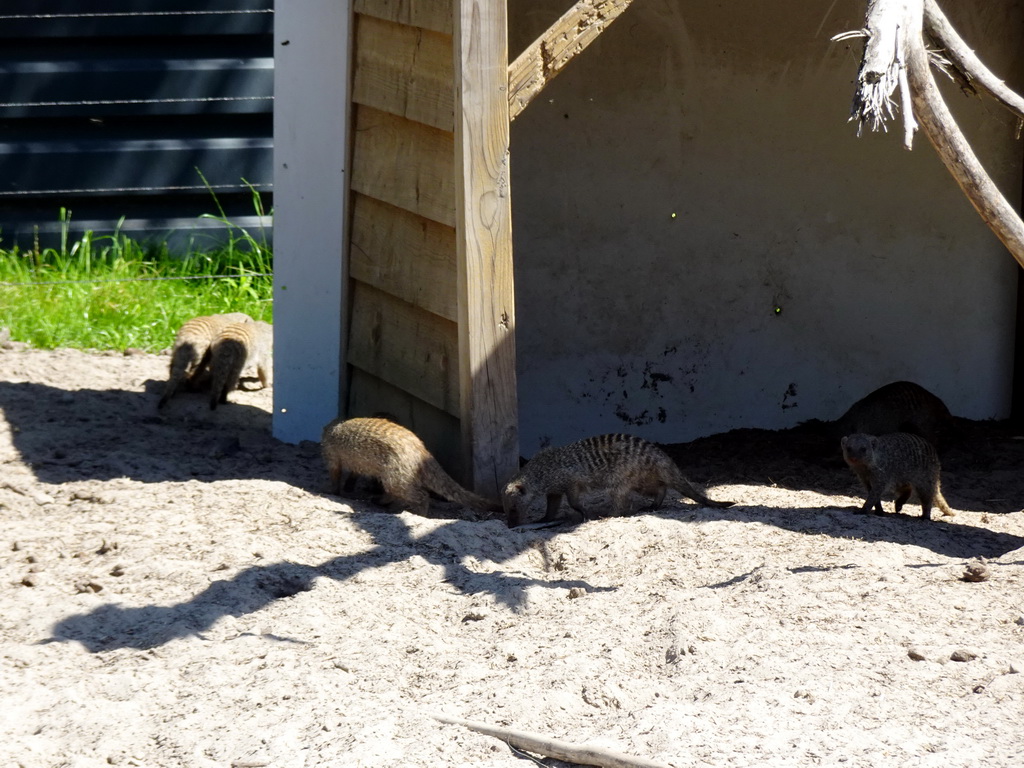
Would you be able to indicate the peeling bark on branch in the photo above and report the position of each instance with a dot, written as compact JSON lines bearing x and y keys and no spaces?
{"x":885,"y":26}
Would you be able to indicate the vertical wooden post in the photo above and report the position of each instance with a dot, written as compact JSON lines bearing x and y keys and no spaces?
{"x":483,"y":212}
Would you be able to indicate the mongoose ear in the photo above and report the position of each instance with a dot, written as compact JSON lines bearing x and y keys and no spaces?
{"x":842,"y":443}
{"x":516,"y":489}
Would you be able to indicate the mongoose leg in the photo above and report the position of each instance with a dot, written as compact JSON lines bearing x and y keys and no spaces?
{"x":554,"y":502}
{"x":620,"y":501}
{"x":873,"y":505}
{"x":264,"y":374}
{"x":573,"y":497}
{"x":419,"y":502}
{"x":657,"y":494}
{"x":902,"y":496}
{"x":926,"y":503}
{"x":337,"y":472}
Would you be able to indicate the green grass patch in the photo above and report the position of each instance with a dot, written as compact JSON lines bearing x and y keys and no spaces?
{"x":113,"y":292}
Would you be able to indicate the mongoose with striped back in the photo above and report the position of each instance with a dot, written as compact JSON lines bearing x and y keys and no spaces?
{"x":615,"y":463}
{"x":382,"y":449}
{"x":901,"y":406}
{"x":899,"y":462}
{"x":190,"y":355}
{"x":238,"y":345}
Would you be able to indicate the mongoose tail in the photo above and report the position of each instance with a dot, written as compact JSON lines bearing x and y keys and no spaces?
{"x":436,"y":480}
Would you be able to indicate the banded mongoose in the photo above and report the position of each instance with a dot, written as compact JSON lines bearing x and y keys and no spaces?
{"x":238,"y":345}
{"x":898,"y":462}
{"x":382,"y":449}
{"x":191,"y":353}
{"x":615,"y":463}
{"x":901,"y":406}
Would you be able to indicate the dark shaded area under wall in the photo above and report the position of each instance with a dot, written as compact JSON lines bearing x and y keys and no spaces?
{"x":983,"y":471}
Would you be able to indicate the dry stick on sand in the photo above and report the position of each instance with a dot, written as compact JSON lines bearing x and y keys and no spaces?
{"x":560,"y":750}
{"x":895,"y":55}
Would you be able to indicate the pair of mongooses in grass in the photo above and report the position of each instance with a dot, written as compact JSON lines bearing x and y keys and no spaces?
{"x":238,"y":345}
{"x":190,"y":356}
{"x":900,"y":463}
{"x":379,"y":448}
{"x":616,"y":463}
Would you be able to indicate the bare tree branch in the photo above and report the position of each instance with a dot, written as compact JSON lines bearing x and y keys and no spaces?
{"x":965,"y":60}
{"x":582,"y":754}
{"x":895,"y":56}
{"x":886,"y":26}
{"x":941,"y":129}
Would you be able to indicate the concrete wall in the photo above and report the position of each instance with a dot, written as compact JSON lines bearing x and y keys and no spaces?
{"x":702,"y":243}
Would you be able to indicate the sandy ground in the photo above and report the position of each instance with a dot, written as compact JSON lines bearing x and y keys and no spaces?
{"x":177,"y":589}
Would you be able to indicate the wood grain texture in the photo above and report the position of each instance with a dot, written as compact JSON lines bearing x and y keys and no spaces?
{"x":538,"y":65}
{"x":405,"y":163}
{"x":414,"y":350}
{"x":435,"y":15}
{"x":405,"y":255}
{"x":404,"y":70}
{"x":487,"y":360}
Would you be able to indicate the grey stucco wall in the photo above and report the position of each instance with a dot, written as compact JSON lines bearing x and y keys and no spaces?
{"x":692,"y":173}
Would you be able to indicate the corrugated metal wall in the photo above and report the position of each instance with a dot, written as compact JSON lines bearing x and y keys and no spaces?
{"x":109,"y":107}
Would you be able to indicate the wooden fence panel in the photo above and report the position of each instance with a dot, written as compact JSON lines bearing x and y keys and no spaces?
{"x":405,"y":71}
{"x":405,"y":163}
{"x":405,"y":255}
{"x":414,"y":350}
{"x":429,"y":14}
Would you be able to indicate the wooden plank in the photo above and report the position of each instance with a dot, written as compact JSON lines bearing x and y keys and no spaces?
{"x":435,"y":15}
{"x":405,"y":163}
{"x":404,"y":70}
{"x":405,"y":255}
{"x":487,"y":357}
{"x":439,"y":430}
{"x":414,"y":350}
{"x":538,"y":65}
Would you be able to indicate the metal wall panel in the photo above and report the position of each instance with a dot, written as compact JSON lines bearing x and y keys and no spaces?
{"x":121,"y":108}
